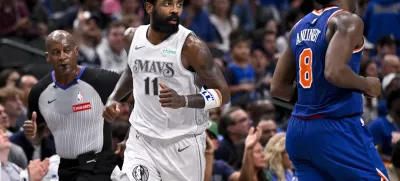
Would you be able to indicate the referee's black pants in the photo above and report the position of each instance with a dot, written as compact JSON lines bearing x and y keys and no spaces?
{"x":88,"y":167}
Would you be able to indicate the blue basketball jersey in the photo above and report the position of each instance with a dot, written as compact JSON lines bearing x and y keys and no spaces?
{"x":317,"y":96}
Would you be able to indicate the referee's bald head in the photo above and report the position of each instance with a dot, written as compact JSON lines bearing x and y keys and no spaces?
{"x":59,"y":36}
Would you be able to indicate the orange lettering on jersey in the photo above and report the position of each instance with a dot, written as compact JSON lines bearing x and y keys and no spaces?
{"x":81,"y":107}
{"x":305,"y":72}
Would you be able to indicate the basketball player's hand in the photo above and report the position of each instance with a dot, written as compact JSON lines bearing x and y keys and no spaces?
{"x":111,"y":111}
{"x":252,"y":138}
{"x":121,"y":149}
{"x":375,"y":87}
{"x":169,"y":98}
{"x":30,"y":127}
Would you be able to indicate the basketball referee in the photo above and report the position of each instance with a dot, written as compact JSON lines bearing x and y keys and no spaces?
{"x":70,"y":102}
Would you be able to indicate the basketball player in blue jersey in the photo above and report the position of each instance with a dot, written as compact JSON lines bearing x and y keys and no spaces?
{"x":326,"y":137}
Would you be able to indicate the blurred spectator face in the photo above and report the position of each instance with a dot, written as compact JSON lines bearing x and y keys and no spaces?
{"x":90,"y":28}
{"x":12,"y":79}
{"x":197,"y":4}
{"x":27,"y":82}
{"x":132,"y":20}
{"x":215,"y":114}
{"x":391,"y":64}
{"x":214,"y":139}
{"x":130,"y":5}
{"x":372,"y":70}
{"x":165,"y":16}
{"x":270,"y":44}
{"x":115,"y":38}
{"x":92,"y":4}
{"x":125,"y":112}
{"x":221,"y":6}
{"x":386,"y":49}
{"x":259,"y":60}
{"x":258,"y":156}
{"x":241,"y":51}
{"x":4,"y":121}
{"x":13,"y":106}
{"x":271,"y":26}
{"x":241,"y":123}
{"x":269,"y":129}
{"x":5,"y":144}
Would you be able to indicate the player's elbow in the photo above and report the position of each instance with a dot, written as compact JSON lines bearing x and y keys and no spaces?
{"x":279,"y":92}
{"x":331,"y":74}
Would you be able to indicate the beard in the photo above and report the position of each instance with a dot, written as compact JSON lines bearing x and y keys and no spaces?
{"x":162,"y":25}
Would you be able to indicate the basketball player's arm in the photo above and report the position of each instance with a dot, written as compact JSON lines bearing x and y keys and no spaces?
{"x":124,"y":85}
{"x":283,"y":85}
{"x":345,"y":32}
{"x":199,"y":58}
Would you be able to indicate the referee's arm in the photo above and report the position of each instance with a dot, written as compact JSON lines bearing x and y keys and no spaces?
{"x":33,"y":106}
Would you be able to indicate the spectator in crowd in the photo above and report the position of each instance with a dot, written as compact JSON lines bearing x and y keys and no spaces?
{"x":239,"y":74}
{"x":254,"y":157}
{"x":368,"y":68}
{"x":379,"y":18}
{"x":260,"y":62}
{"x":224,"y":21}
{"x":262,"y":109}
{"x":269,"y":43}
{"x":394,"y":168}
{"x":390,"y":64}
{"x":389,"y":83}
{"x":41,"y":150}
{"x":368,"y":50}
{"x":196,"y":19}
{"x":385,"y":130}
{"x":234,"y":126}
{"x":386,"y":45}
{"x":26,"y":83}
{"x":268,"y":128}
{"x":291,"y":19}
{"x":9,"y":77}
{"x":279,"y":166}
{"x":128,"y":8}
{"x":38,"y":16}
{"x":89,"y":33}
{"x":215,"y":114}
{"x":243,"y":11}
{"x":11,"y":172}
{"x":111,"y":50}
{"x":14,"y":19}
{"x":217,"y":170}
{"x":10,"y":98}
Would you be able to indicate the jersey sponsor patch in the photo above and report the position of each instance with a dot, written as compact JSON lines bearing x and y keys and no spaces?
{"x":81,"y":107}
{"x":140,"y":173}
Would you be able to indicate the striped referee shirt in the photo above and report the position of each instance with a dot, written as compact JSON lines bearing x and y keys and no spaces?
{"x":73,"y":113}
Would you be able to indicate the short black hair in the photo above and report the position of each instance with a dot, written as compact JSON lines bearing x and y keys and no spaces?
{"x":237,"y":37}
{"x":323,"y":2}
{"x":387,"y":40}
{"x":150,"y":1}
{"x":115,"y":24}
{"x":392,"y":96}
{"x":227,"y":120}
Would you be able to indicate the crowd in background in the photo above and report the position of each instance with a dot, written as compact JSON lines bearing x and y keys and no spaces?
{"x":245,"y":37}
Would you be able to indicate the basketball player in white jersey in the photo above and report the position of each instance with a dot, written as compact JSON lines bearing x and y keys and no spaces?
{"x":175,"y":82}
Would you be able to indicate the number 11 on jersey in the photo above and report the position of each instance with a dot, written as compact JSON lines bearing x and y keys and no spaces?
{"x":147,"y":86}
{"x":305,"y":70}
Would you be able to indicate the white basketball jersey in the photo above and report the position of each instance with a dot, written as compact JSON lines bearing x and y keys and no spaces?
{"x":154,"y":64}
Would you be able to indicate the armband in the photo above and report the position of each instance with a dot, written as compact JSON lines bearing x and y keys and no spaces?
{"x":212,"y":98}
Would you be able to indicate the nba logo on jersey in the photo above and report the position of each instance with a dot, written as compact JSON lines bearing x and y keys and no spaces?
{"x":80,"y":96}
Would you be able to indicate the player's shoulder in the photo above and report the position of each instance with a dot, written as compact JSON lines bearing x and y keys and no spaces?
{"x":41,"y":85}
{"x":345,"y":20}
{"x":193,"y":44}
{"x":129,"y":33}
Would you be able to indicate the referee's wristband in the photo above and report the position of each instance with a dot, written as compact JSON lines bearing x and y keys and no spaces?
{"x":212,"y":98}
